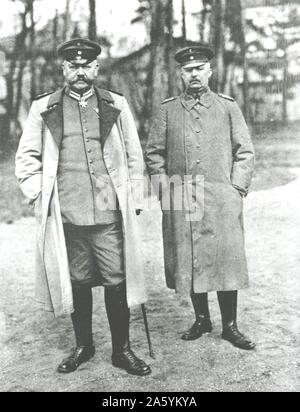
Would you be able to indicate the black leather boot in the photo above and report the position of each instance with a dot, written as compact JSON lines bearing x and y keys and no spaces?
{"x":82,"y":324}
{"x":77,"y":356}
{"x":202,"y":324}
{"x":118,"y":318}
{"x":228,"y":308}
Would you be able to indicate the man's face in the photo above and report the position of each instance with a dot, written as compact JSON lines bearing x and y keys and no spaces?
{"x":80,"y":74}
{"x":195,"y":77}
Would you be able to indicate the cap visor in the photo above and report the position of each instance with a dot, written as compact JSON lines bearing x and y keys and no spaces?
{"x":194,"y":63}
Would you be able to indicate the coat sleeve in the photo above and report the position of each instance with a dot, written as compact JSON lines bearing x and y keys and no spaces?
{"x":242,"y":151}
{"x":156,"y":153}
{"x":29,"y":155}
{"x":135,"y":160}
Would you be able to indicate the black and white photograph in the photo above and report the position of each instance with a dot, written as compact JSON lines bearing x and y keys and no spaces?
{"x":149,"y":198}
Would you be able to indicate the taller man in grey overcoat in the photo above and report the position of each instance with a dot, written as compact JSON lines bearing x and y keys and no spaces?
{"x":202,"y":143}
{"x":80,"y":164}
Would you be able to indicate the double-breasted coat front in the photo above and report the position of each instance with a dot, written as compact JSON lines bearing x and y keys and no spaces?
{"x":36,"y":168}
{"x":207,"y":145}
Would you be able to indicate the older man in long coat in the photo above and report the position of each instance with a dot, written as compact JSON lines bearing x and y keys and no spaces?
{"x":201,"y":143}
{"x":80,"y":163}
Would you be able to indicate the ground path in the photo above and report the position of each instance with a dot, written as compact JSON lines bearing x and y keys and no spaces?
{"x":31,"y":344}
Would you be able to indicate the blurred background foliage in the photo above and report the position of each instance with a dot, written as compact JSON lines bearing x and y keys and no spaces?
{"x":256,"y":60}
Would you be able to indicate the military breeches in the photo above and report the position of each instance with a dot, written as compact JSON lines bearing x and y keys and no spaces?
{"x":95,"y":254}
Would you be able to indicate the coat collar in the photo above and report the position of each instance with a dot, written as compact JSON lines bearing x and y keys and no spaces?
{"x":53,"y":116}
{"x":108,"y":113}
{"x":189,"y":102}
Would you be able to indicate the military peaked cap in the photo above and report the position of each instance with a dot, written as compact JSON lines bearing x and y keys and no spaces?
{"x":79,"y":49}
{"x":195,"y":54}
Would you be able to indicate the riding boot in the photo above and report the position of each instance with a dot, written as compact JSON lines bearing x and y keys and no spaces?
{"x":228,"y":308}
{"x":202,"y":323}
{"x":118,"y":317}
{"x":82,"y":324}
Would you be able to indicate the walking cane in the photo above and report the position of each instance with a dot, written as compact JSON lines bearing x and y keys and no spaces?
{"x":151,"y":353}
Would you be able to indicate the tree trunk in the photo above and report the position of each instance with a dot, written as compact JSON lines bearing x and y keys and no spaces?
{"x":32,"y":47}
{"x":171,"y":69}
{"x":183,"y":14}
{"x":55,"y":31}
{"x":19,"y":91}
{"x":92,"y":21}
{"x":284,"y":84}
{"x":66,"y":26}
{"x":158,"y":85}
{"x":55,"y":44}
{"x":241,"y":37}
{"x":203,"y":20}
{"x":217,"y":39}
{"x":18,"y":52}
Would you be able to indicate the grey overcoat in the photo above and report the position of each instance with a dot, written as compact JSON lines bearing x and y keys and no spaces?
{"x":214,"y":152}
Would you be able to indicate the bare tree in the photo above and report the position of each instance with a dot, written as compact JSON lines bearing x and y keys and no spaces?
{"x":92,"y":22}
{"x":158,"y":83}
{"x":33,"y":49}
{"x":17,"y":62}
{"x":183,"y":17}
{"x":241,"y":35}
{"x":66,"y":25}
{"x":171,"y":69}
{"x":217,"y":39}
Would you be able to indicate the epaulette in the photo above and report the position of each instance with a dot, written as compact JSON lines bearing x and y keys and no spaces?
{"x":113,"y":91}
{"x":168,"y":100}
{"x":39,"y":96}
{"x":226,"y":97}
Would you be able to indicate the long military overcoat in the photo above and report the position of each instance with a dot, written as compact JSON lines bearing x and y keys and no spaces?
{"x":212,"y":153}
{"x":36,"y":168}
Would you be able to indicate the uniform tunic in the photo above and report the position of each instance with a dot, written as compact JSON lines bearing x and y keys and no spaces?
{"x":207,"y":144}
{"x":85,"y":189}
{"x":88,"y":203}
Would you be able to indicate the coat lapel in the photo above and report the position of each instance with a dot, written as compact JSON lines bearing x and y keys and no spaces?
{"x":53,"y":116}
{"x":108,"y":114}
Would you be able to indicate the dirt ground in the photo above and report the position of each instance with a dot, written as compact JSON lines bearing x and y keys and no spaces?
{"x":32,"y":343}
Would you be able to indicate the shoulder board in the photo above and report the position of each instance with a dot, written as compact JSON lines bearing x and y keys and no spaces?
{"x":224,"y":96}
{"x":39,"y":96}
{"x":113,"y":91}
{"x":168,"y":100}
